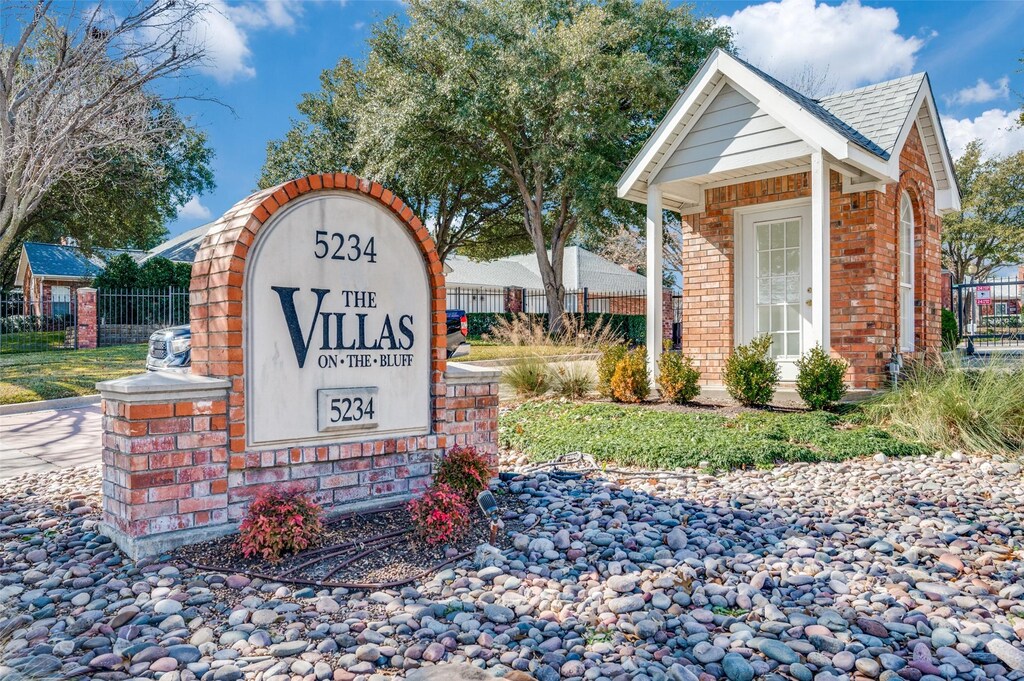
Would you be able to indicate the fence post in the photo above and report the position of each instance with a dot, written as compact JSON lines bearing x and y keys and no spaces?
{"x":86,"y":326}
{"x":586,"y":300}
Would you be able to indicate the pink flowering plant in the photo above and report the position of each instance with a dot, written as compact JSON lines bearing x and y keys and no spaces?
{"x":441,"y":515}
{"x":279,"y":521}
{"x":465,"y":470}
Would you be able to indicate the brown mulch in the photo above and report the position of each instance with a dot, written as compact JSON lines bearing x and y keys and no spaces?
{"x":392,"y":559}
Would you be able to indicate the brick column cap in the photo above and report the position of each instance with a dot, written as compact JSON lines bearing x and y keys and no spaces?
{"x":460,"y":374}
{"x":86,"y":289}
{"x":164,"y":386}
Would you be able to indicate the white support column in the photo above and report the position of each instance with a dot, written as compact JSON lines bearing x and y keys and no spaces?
{"x":821,"y":318}
{"x":654,"y":278}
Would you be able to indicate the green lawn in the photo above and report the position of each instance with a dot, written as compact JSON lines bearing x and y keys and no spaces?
{"x":30,"y":376}
{"x":32,"y":341}
{"x":641,"y":436}
{"x":482,"y":350}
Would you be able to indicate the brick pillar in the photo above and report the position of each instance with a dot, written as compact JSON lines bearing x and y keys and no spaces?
{"x":513,"y":299}
{"x":164,"y":461}
{"x":472,"y":402}
{"x":87,"y":318}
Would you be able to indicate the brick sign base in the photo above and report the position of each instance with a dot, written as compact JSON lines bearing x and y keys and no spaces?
{"x":167,"y":482}
{"x":184,"y":455}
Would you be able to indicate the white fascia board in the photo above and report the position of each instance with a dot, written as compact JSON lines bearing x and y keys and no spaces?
{"x":672,"y":119}
{"x":682,"y":133}
{"x":783,"y":109}
{"x":947,"y":199}
{"x":22,"y":266}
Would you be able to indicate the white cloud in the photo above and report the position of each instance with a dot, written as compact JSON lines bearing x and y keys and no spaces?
{"x":853,"y":43}
{"x":997,"y":129}
{"x":225,"y":29}
{"x":982,"y":92}
{"x":194,"y":210}
{"x":359,"y":25}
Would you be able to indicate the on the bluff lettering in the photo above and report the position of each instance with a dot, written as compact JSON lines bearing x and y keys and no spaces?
{"x":344,"y":333}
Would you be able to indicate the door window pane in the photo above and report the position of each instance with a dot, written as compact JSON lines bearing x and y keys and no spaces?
{"x":778,"y":284}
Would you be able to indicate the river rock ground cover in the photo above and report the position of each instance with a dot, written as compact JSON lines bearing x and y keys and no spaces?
{"x":869,"y":568}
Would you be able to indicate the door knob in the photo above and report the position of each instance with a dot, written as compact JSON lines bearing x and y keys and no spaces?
{"x":808,"y":302}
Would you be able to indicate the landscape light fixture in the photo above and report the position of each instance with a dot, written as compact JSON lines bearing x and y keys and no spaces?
{"x":489,"y":505}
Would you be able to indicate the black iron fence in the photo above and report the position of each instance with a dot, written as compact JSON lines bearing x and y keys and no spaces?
{"x":37,"y":326}
{"x":990,"y":313}
{"x":624,"y":311}
{"x":132,"y":315}
{"x":532,"y":301}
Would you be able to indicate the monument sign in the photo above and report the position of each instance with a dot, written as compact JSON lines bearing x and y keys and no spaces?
{"x":318,"y":364}
{"x":338,"y":322}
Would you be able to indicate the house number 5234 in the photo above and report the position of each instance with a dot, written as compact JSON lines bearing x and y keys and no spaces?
{"x":338,"y":246}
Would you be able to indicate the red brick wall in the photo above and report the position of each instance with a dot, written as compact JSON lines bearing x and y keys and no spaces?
{"x":473,"y":418}
{"x":335,"y":474}
{"x":863,"y":267}
{"x":164,"y":466}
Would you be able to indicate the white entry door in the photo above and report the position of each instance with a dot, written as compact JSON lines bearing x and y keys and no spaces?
{"x":774,"y":281}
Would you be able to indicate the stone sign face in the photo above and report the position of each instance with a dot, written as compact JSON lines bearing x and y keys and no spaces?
{"x":337,"y":323}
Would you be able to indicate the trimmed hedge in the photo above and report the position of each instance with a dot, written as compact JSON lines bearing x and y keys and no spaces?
{"x":630,"y":327}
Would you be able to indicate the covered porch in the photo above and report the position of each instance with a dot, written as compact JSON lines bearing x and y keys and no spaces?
{"x":786,"y":216}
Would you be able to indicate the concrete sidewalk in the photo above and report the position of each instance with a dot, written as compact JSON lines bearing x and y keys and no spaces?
{"x":50,"y":440}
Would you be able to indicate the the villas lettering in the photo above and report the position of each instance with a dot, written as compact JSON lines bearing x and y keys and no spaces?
{"x":345,"y":330}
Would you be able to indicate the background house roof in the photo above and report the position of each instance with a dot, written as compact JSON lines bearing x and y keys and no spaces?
{"x":580,"y":269}
{"x":183,"y":247}
{"x":70,"y":262}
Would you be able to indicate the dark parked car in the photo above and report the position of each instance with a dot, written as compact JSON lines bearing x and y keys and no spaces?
{"x":171,"y":348}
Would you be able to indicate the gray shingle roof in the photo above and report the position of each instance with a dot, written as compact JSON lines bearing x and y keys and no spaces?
{"x":55,"y":260}
{"x":877,"y":111}
{"x":183,"y":247}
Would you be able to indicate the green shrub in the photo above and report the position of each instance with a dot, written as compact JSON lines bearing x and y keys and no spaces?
{"x":952,"y":408}
{"x":606,"y":364}
{"x":573,"y":381}
{"x":678,"y":380}
{"x":631,"y":381}
{"x":950,"y":330}
{"x":751,"y":374}
{"x":820,"y":379}
{"x":528,"y":376}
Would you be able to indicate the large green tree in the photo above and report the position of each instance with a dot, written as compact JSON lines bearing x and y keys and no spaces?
{"x":453,"y":193}
{"x":129,"y":200}
{"x":550,"y":98}
{"x":988,"y":230}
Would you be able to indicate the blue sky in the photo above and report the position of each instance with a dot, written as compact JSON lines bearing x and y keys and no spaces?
{"x":265,"y":55}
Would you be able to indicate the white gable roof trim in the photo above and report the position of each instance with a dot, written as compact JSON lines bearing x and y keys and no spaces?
{"x":885,"y":111}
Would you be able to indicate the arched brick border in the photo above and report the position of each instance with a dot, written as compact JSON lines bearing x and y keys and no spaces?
{"x":217,"y":305}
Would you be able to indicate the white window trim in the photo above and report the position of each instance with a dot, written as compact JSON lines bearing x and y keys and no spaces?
{"x":906,"y":339}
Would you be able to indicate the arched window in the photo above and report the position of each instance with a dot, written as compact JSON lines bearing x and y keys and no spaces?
{"x":906,"y":274}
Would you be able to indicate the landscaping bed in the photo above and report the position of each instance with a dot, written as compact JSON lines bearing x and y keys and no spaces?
{"x":367,"y":548}
{"x":31,"y":376}
{"x":714,"y":437}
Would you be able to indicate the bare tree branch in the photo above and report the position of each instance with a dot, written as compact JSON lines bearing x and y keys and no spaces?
{"x":73,"y":89}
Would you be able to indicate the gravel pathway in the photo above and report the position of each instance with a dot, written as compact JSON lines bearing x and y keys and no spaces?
{"x":911,"y":568}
